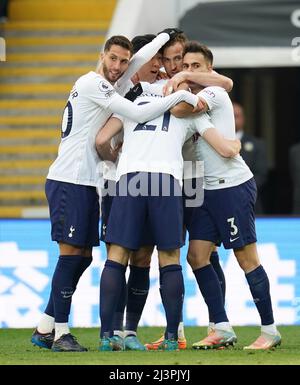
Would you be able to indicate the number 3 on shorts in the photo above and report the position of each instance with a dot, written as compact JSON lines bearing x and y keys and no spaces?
{"x":234,"y":229}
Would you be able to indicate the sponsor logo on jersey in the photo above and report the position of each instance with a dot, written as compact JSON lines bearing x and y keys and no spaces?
{"x":103,"y":87}
{"x":210,"y":93}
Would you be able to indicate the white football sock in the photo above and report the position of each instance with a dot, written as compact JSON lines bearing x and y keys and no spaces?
{"x":61,"y":329}
{"x":129,"y":333}
{"x":119,"y":333}
{"x":211,"y":325}
{"x":46,"y":324}
{"x":225,"y":326}
{"x":269,"y":329}
{"x":181,"y":330}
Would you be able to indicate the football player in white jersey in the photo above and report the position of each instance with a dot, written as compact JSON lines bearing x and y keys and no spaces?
{"x":150,"y":150}
{"x":73,"y":177}
{"x":172,"y":61}
{"x":138,"y":282}
{"x":227,"y":214}
{"x":134,"y":294}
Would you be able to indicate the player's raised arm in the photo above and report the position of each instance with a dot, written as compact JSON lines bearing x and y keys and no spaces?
{"x":146,"y":53}
{"x":205,"y":79}
{"x":183,"y":109}
{"x":146,"y":112}
{"x":103,"y":93}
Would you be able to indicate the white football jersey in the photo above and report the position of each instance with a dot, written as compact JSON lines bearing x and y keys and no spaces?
{"x":156,"y":146}
{"x":219,"y":172}
{"x":109,"y":168}
{"x":91,"y":102}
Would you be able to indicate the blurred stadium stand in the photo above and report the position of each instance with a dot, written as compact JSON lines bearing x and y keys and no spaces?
{"x":257,"y":44}
{"x":50,"y":43}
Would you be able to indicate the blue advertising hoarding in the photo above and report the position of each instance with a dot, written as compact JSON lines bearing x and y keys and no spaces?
{"x":28,"y":258}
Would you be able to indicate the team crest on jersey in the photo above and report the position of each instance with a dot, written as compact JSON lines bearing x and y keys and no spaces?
{"x":72,"y":229}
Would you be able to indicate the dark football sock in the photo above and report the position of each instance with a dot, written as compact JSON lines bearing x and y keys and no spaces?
{"x":172,"y":292}
{"x":260,"y":289}
{"x":111,"y":284}
{"x":209,"y":286}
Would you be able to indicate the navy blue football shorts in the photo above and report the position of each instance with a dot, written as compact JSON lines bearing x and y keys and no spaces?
{"x":106,"y":202}
{"x":74,"y":213}
{"x":227,"y":216}
{"x":156,"y":213}
{"x":108,"y":194}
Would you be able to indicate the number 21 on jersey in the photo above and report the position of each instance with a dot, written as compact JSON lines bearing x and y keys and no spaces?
{"x":152,"y":127}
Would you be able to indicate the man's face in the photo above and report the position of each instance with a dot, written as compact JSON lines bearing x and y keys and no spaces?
{"x":149,"y":71}
{"x":172,"y":59}
{"x":238,"y":117}
{"x":115,"y":62}
{"x":195,"y":62}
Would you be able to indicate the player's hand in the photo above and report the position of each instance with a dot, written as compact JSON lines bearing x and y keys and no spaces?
{"x":114,"y":151}
{"x":199,"y":107}
{"x":173,"y":84}
{"x":162,"y":75}
{"x":116,"y":148}
{"x":239,"y":145}
{"x":172,"y":32}
{"x":135,"y":79}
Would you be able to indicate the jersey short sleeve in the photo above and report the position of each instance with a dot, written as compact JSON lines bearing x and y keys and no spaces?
{"x":100,"y":91}
{"x":202,"y":123}
{"x":213,"y":96}
{"x":118,"y":116}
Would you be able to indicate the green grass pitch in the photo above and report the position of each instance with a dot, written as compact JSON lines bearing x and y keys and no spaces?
{"x":16,"y":349}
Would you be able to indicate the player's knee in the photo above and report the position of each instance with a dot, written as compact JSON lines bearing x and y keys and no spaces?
{"x":118,"y":254}
{"x":196,"y":260}
{"x":142,"y":257}
{"x":168,"y":257}
{"x":67,"y":249}
{"x":248,"y":264}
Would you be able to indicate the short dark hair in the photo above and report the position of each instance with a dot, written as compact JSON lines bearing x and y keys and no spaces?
{"x":120,"y":40}
{"x":180,"y":38}
{"x":195,"y":47}
{"x":139,"y":41}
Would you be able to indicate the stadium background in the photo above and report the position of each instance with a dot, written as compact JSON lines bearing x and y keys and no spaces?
{"x":51,"y":43}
